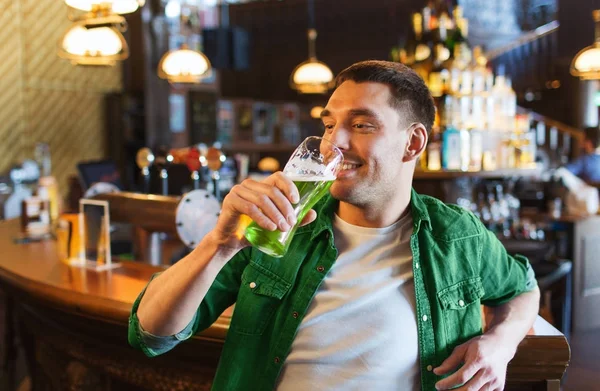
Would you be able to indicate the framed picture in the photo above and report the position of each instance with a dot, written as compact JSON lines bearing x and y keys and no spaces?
{"x":94,"y":234}
{"x":203,"y":117}
{"x":264,"y":118}
{"x":290,"y":124}
{"x":177,"y":113}
{"x":243,"y":120}
{"x":225,"y":121}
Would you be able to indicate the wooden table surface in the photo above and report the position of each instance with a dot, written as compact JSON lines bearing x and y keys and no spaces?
{"x":36,"y":270}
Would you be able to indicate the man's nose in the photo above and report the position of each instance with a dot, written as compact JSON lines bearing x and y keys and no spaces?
{"x":340,"y":137}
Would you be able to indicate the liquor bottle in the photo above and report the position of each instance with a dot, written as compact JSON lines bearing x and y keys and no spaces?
{"x":422,"y":51}
{"x":434,"y":146}
{"x":510,"y":105}
{"x":499,"y":98}
{"x":465,"y":149}
{"x":478,"y":70}
{"x":436,"y":76}
{"x":457,"y":65}
{"x":460,"y":32}
{"x":451,"y":149}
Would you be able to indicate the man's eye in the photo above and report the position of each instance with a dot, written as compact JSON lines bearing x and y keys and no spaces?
{"x":362,"y":126}
{"x":328,"y":127}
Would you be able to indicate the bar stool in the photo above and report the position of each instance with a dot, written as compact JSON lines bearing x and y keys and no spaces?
{"x":555,"y":280}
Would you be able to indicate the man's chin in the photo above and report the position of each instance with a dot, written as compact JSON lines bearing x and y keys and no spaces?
{"x":341,"y":192}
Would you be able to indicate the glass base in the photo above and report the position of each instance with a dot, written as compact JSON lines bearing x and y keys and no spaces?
{"x":266,"y":241}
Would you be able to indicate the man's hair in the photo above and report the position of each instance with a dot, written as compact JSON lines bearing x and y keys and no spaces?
{"x":410,"y":95}
{"x":592,"y":134}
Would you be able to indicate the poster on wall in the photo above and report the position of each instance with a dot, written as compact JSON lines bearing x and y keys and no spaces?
{"x":203,"y":117}
{"x":177,"y":113}
{"x":243,"y":120}
{"x":225,"y":118}
{"x":290,"y":124}
{"x":264,"y":118}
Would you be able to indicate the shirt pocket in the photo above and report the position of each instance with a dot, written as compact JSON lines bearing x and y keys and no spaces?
{"x":259,"y":297}
{"x":461,"y":309}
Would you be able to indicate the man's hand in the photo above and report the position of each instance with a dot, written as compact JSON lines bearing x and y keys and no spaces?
{"x":484,"y":360}
{"x":268,"y":203}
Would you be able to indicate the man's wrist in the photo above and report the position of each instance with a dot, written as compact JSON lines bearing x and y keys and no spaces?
{"x":505,"y":336}
{"x":221,"y":248}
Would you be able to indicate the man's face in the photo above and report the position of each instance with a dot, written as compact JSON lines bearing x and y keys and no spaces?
{"x":372,"y":135}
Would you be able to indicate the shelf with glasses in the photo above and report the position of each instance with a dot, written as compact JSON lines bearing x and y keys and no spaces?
{"x":533,"y":171}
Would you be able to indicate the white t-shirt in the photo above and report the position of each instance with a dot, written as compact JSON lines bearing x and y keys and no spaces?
{"x":360,"y":331}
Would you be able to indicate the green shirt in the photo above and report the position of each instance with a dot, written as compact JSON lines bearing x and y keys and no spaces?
{"x":457,"y":264}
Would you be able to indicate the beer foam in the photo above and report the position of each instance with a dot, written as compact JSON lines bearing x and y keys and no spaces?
{"x":311,"y":178}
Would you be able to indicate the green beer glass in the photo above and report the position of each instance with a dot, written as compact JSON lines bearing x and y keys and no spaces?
{"x":313,"y":167}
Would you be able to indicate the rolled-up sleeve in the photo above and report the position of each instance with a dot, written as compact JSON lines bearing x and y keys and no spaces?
{"x":221,"y":295}
{"x":156,"y":345}
{"x":503,"y":276}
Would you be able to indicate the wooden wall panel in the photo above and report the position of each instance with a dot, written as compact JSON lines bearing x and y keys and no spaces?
{"x":349,"y":31}
{"x":44,"y":98}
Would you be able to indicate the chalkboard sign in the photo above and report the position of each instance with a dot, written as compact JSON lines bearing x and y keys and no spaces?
{"x":203,"y":117}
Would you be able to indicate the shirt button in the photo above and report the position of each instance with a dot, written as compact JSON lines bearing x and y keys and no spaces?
{"x":429,"y":368}
{"x":320,"y":269}
{"x":424,"y":318}
{"x":461,"y":303}
{"x":295,"y":314}
{"x":327,"y":235}
{"x":277,"y":360}
{"x":417,"y":265}
{"x":252,"y":285}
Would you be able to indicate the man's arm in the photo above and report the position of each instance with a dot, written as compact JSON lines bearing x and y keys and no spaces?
{"x":486,"y":357}
{"x":576,"y":166}
{"x":512,"y":321}
{"x":512,"y":292}
{"x":172,"y":299}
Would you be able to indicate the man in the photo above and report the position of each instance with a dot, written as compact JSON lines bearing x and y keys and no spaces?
{"x":587,"y":167}
{"x":381,"y":291}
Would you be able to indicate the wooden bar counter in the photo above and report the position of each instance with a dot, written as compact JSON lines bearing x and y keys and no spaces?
{"x":72,"y":324}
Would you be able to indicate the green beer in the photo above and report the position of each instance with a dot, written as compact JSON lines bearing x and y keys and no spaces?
{"x":276,"y":243}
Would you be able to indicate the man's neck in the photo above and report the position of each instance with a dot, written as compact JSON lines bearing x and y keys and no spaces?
{"x":376,"y":216}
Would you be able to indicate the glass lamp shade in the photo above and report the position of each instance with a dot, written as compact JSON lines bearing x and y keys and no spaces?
{"x":312,"y":77}
{"x":586,"y":64}
{"x":92,"y":45}
{"x":184,"y":66}
{"x":116,"y":6}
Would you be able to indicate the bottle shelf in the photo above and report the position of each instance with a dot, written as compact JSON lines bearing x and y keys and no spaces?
{"x":533,"y":171}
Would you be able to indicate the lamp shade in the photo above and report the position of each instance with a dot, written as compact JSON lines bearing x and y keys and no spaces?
{"x":586,"y":63}
{"x":184,"y":66}
{"x":312,"y":77}
{"x":116,"y":6}
{"x":93,"y":45}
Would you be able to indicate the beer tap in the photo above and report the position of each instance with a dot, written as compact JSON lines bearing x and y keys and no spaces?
{"x":194,"y":164}
{"x":164,"y":159}
{"x":214,"y":161}
{"x":144,"y":160}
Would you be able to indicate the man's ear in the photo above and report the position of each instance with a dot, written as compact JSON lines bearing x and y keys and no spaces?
{"x":417,"y":141}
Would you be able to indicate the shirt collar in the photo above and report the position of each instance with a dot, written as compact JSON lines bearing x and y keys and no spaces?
{"x":325,"y":209}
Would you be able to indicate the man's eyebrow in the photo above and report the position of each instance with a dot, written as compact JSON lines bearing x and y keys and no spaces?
{"x":325,"y":113}
{"x":354,"y":113}
{"x":363,"y":113}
